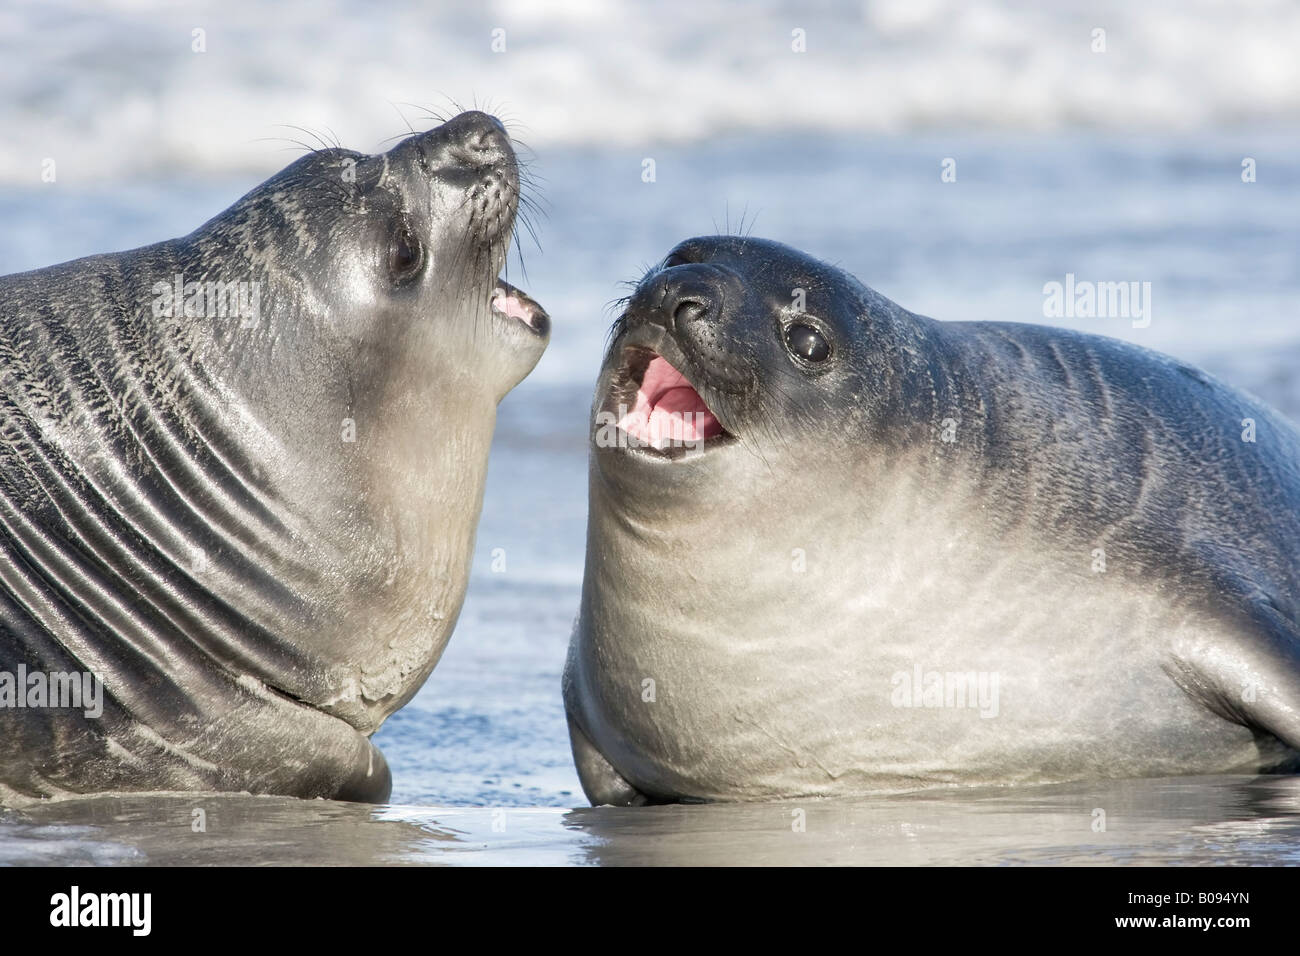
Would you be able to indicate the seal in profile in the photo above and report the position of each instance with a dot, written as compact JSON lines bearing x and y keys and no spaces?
{"x":240,"y":474}
{"x":835,"y":547}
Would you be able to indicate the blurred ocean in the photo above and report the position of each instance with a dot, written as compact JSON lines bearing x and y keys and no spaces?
{"x":1117,"y":166}
{"x":113,"y":88}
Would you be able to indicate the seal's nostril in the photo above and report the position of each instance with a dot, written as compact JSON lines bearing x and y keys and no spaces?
{"x":689,"y":310}
{"x":484,"y":147}
{"x":476,"y":139}
{"x":485,"y":139}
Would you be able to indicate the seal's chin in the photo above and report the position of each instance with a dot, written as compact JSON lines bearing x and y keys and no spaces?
{"x":657,"y":411}
{"x":514,"y":304}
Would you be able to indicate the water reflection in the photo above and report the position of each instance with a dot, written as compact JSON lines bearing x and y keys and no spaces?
{"x":1237,"y":820}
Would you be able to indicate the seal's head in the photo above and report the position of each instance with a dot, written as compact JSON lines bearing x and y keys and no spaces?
{"x":734,"y":346}
{"x":390,"y":260}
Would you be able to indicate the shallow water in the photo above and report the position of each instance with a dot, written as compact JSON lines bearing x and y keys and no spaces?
{"x":1175,"y":821}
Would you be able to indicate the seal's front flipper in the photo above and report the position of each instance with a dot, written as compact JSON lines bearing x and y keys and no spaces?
{"x":1249,"y":673}
{"x":373,"y":784}
{"x":602,"y":784}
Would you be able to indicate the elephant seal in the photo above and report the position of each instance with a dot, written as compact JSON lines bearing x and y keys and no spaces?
{"x":241,"y":472}
{"x":835,"y":547}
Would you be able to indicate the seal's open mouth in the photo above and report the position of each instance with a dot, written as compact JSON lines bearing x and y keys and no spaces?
{"x":657,"y":409}
{"x":513,"y":303}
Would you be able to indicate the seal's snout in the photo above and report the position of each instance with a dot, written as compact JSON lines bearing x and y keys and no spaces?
{"x":696,"y":304}
{"x":468,"y":150}
{"x":478,"y":139}
{"x":686,"y":301}
{"x":680,"y":364}
{"x":475,"y":172}
{"x":681,"y":296}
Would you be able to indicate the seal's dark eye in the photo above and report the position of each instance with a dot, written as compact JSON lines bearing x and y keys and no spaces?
{"x":405,"y":254}
{"x":807,"y":343}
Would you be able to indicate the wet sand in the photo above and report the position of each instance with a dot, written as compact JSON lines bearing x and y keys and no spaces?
{"x":1228,"y":820}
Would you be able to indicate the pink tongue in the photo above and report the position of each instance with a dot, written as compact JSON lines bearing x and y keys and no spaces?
{"x":510,"y":305}
{"x":668,"y":410}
